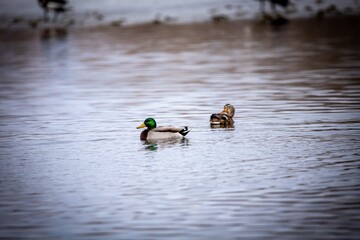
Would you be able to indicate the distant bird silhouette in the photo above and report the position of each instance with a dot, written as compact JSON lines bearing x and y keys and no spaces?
{"x":275,"y":19}
{"x":55,"y":6}
{"x":282,"y":3}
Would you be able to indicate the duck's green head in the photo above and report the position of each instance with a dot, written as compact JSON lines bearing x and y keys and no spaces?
{"x":149,"y":123}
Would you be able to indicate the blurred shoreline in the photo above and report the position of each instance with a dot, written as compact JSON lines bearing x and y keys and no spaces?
{"x":350,"y":25}
{"x":73,"y":166}
{"x":84,"y":14}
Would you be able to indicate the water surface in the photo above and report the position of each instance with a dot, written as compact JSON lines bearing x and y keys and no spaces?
{"x":73,"y":167}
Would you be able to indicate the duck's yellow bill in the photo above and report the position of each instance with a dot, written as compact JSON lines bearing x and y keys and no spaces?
{"x":141,"y":126}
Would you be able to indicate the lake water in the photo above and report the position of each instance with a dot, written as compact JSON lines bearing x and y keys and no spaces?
{"x":73,"y":167}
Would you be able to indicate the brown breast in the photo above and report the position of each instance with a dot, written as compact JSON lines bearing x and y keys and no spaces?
{"x":144,"y":134}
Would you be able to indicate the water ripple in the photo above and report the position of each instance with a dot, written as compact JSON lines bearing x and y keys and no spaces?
{"x":72,"y":164}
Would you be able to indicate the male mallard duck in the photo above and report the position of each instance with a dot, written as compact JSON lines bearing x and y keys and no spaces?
{"x":156,"y":133}
{"x":223,"y":119}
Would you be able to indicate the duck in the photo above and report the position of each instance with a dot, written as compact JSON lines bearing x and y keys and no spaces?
{"x":162,"y":132}
{"x":225,"y":118}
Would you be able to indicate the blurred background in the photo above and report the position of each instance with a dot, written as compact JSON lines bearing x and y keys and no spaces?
{"x":77,"y":77}
{"x":90,"y":12}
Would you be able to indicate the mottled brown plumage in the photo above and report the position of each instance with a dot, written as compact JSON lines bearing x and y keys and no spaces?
{"x":223,"y":119}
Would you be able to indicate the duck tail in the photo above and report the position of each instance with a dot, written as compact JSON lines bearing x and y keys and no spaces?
{"x":184,"y":131}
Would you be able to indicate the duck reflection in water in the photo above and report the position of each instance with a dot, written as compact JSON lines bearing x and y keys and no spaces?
{"x":58,"y":33}
{"x":223,"y":119}
{"x":154,"y":145}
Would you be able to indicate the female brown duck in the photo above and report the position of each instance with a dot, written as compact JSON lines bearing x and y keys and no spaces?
{"x":225,"y":118}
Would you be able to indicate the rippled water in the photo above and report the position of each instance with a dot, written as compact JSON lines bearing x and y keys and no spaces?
{"x":73,"y":167}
